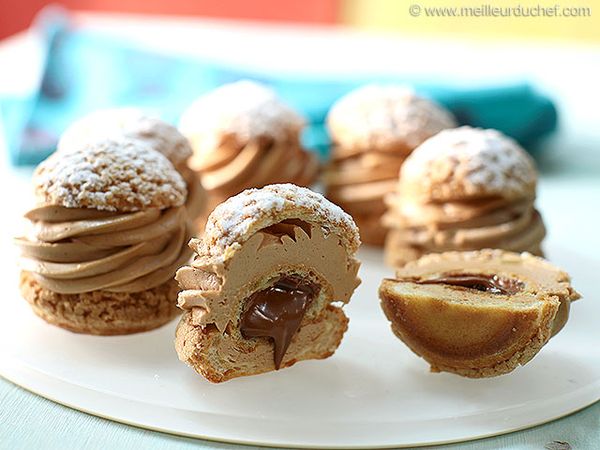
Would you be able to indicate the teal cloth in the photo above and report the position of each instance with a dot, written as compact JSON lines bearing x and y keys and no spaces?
{"x":28,"y":421}
{"x":87,"y":70}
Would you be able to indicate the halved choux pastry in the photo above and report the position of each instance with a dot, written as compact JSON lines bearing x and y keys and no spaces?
{"x":477,"y":314}
{"x":267,"y":285}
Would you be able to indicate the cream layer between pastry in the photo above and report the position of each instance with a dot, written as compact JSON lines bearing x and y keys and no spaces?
{"x":76,"y":250}
{"x":256,"y":260}
{"x":258,"y":163}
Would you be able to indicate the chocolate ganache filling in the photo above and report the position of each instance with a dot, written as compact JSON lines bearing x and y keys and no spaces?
{"x":276,"y":312}
{"x":481,"y":282}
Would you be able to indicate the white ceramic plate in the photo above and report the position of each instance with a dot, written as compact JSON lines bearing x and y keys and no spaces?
{"x":372,"y":393}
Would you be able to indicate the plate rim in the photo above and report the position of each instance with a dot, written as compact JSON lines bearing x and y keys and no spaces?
{"x":5,"y":372}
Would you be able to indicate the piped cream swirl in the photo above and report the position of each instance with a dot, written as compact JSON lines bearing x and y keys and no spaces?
{"x":76,"y":250}
{"x":229,"y":170}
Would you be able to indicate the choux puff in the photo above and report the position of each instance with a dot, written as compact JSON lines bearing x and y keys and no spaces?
{"x":373,"y":130}
{"x":244,"y":136}
{"x":107,"y":234}
{"x":268,"y":282}
{"x":477,"y":314}
{"x":464,"y":189}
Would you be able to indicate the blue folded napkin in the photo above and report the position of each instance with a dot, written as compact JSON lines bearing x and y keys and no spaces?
{"x":87,"y":70}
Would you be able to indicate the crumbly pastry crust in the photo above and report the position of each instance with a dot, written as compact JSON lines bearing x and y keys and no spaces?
{"x":111,"y":175}
{"x":472,"y":333}
{"x":162,"y":137}
{"x":133,"y":123}
{"x":382,"y":117}
{"x":250,"y":242}
{"x":130,"y":123}
{"x":242,"y":111}
{"x":239,"y":217}
{"x":102,"y":312}
{"x":465,"y":163}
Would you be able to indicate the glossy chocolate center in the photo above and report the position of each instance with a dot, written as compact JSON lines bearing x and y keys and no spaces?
{"x":276,"y":312}
{"x":481,"y":282}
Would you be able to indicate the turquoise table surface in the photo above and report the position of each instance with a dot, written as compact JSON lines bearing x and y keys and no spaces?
{"x":85,"y":70}
{"x":28,"y":421}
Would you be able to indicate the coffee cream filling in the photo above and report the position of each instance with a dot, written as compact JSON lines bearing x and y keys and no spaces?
{"x":76,"y":250}
{"x":361,"y":182}
{"x":257,"y":164}
{"x":365,"y":198}
{"x":216,"y":292}
{"x":196,"y":200}
{"x":364,"y":168}
{"x":468,"y":225}
{"x":403,"y":211}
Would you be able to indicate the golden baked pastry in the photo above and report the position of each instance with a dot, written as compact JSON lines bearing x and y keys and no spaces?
{"x":477,"y":314}
{"x":373,"y":130}
{"x":464,"y":189}
{"x":260,"y":292}
{"x":161,"y":136}
{"x":106,"y":237}
{"x":243,"y":136}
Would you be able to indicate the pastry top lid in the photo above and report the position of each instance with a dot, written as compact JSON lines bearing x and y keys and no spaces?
{"x":238,"y":218}
{"x":113,"y":174}
{"x":538,"y":275}
{"x":244,"y":111}
{"x":131,"y":123}
{"x":385,"y":116}
{"x":466,"y":162}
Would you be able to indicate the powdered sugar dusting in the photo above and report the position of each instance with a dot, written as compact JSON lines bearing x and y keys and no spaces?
{"x":130,"y":123}
{"x":469,"y":161}
{"x":113,"y":175}
{"x":245,"y":109}
{"x":236,"y":219}
{"x":375,"y":116}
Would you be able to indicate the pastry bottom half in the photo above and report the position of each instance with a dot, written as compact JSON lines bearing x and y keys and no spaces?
{"x":474,"y":336}
{"x":223,"y":356}
{"x":103,"y":312}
